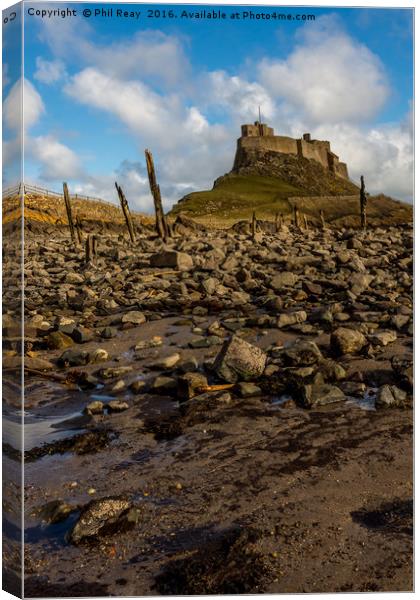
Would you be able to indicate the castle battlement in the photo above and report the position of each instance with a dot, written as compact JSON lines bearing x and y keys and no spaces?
{"x":260,"y":136}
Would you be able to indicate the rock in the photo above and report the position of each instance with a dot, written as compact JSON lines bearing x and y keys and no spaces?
{"x":74,"y":278}
{"x":399,"y":321}
{"x":98,"y":355}
{"x":108,"y":333}
{"x":403,"y":367}
{"x":57,"y":340}
{"x":209,"y":285}
{"x":134,"y":317}
{"x":54,"y":511}
{"x":331,"y":370}
{"x":172,"y":260}
{"x":164,"y":384}
{"x":359,"y":282}
{"x":247,"y":389}
{"x":103,"y":517}
{"x":382,"y":338}
{"x":96,"y":407}
{"x":118,"y":386}
{"x":152,"y":343}
{"x":111,"y":372}
{"x":319,"y":395}
{"x":353,"y":388}
{"x":390,"y":396}
{"x":188,"y":365}
{"x":347,"y":341}
{"x":81,"y":335}
{"x":287,"y":319}
{"x":190,"y":385}
{"x":239,"y":360}
{"x":312,"y":288}
{"x":285,"y":279}
{"x":168,"y":362}
{"x":301,"y":353}
{"x":137,"y":387}
{"x":73,"y":358}
{"x":117,"y":406}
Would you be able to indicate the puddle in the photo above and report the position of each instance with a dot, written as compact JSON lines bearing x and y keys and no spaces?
{"x":39,"y":429}
{"x":367,"y":401}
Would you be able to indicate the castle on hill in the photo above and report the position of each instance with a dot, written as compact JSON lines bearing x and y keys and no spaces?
{"x":261,"y":137}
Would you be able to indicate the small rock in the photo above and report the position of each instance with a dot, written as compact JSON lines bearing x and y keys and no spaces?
{"x":96,"y":407}
{"x":319,"y":395}
{"x":383,"y":338}
{"x":164,"y":384}
{"x":111,"y":372}
{"x":291,"y":318}
{"x":133,"y":317}
{"x":82,"y":335}
{"x":73,"y":358}
{"x":57,"y":340}
{"x":153,"y":343}
{"x":108,"y":333}
{"x":285,"y":279}
{"x":117,"y":406}
{"x":301,"y":353}
{"x":247,"y":389}
{"x":190,"y":384}
{"x":98,"y":355}
{"x":166,"y":363}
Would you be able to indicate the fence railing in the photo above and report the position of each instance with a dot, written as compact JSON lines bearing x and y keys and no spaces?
{"x":33,"y":189}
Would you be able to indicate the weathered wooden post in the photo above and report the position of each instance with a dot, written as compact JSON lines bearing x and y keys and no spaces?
{"x":79,"y":229}
{"x":305,"y":221}
{"x":363,"y":203}
{"x":68,"y":210}
{"x":321,"y":216}
{"x":90,"y":249}
{"x":162,"y":228}
{"x":253,"y":225}
{"x":126,"y":212}
{"x":296,"y":215}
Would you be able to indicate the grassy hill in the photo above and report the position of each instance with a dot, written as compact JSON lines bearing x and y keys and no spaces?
{"x":269,"y":183}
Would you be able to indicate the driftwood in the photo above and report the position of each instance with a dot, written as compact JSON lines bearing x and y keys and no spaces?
{"x":126,"y":212}
{"x":363,"y":203}
{"x":305,"y":221}
{"x":162,"y":227}
{"x":68,"y":210}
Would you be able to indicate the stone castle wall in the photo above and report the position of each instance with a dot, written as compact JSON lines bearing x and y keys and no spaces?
{"x":261,"y":137}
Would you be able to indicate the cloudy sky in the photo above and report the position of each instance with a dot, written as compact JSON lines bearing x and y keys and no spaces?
{"x":98,"y":91}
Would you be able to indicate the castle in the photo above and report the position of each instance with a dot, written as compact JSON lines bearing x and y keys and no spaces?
{"x":261,"y":137}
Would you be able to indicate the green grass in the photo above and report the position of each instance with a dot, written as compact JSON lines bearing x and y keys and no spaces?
{"x":236,"y":196}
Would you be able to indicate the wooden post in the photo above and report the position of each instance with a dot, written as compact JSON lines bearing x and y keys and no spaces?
{"x":321,"y":216}
{"x":296,"y":215}
{"x":253,"y":225}
{"x":305,"y":221}
{"x":79,"y":229}
{"x":126,"y":212}
{"x":161,"y":224}
{"x":68,"y":210}
{"x":90,"y":249}
{"x":363,"y":203}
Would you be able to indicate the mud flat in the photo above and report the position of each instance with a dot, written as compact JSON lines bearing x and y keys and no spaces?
{"x":220,"y":414}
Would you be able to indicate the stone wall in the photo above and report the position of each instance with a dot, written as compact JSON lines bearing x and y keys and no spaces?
{"x":274,"y":143}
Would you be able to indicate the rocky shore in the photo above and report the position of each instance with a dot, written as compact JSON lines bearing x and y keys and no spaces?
{"x":223,"y":413}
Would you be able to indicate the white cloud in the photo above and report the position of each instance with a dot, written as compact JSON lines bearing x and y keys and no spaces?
{"x":49,"y":71}
{"x":328,"y":77}
{"x":241,"y":98}
{"x":12,"y":106}
{"x":56,"y":160}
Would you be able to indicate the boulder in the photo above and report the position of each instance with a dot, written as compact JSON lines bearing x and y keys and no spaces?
{"x":103,"y":517}
{"x":347,"y":341}
{"x":172,"y":260}
{"x":239,"y":360}
{"x":390,"y":396}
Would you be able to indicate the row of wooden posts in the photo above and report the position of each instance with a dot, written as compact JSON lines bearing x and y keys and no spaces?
{"x":162,"y":227}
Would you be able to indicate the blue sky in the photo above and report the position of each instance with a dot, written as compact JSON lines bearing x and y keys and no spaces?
{"x":98,"y":91}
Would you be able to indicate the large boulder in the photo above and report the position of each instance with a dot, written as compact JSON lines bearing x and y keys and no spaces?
{"x":172,"y":260}
{"x":238,"y":360}
{"x":347,"y":341}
